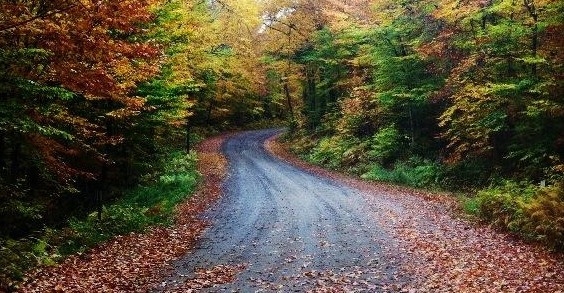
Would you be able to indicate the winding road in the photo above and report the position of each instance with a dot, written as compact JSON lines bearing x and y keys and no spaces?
{"x":289,"y":229}
{"x":285,"y":224}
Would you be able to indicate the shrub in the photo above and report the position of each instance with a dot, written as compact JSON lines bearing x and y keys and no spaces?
{"x":328,"y":152}
{"x":359,"y":114}
{"x":469,"y":174}
{"x":356,"y":156}
{"x":416,"y":172}
{"x":502,"y":206}
{"x":545,"y":216}
{"x":534,"y":212}
{"x":386,"y":145}
{"x":15,"y":257}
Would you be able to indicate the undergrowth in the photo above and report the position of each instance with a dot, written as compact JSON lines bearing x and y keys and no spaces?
{"x":415,"y":172}
{"x":523,"y":208}
{"x":151,"y":203}
{"x":535,"y":212}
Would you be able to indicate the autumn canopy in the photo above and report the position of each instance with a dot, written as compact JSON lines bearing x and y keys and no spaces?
{"x":94,"y":95}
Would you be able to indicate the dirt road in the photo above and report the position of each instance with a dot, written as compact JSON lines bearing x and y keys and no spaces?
{"x":284,"y":228}
{"x":285,"y":225}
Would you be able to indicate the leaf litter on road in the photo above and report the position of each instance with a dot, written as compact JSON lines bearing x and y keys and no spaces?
{"x":435,"y":251}
{"x":136,"y":262}
{"x":440,"y":252}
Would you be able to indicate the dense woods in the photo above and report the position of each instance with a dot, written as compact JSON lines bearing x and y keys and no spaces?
{"x":100,"y":97}
{"x":458,"y":95}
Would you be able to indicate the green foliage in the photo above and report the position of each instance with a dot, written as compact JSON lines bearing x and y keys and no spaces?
{"x":151,"y":203}
{"x":415,"y":172}
{"x":502,"y":206}
{"x":16,"y":256}
{"x":532,"y":211}
{"x":385,"y":145}
{"x":469,"y":205}
{"x":328,"y":152}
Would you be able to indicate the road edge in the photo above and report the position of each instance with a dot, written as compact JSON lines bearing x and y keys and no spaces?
{"x":138,"y":262}
{"x":281,"y":151}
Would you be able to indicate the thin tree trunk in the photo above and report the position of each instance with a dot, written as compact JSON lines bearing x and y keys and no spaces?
{"x":15,"y":158}
{"x":534,"y":45}
{"x":412,"y":127}
{"x":188,"y":142}
{"x":288,"y":99}
{"x":100,"y":191}
{"x":530,"y":5}
{"x":209,"y":113}
{"x":2,"y":152}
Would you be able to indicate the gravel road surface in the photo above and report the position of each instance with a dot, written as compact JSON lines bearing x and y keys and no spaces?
{"x":292,"y":230}
{"x":282,"y":225}
{"x":282,"y":228}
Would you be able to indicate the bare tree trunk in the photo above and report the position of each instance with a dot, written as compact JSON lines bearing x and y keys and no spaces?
{"x":412,"y":126}
{"x":2,"y":152}
{"x":188,"y":142}
{"x":209,"y":113}
{"x":15,"y":157}
{"x":530,"y":5}
{"x":288,"y":98}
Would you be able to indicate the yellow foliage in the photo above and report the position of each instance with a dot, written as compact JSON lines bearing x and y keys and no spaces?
{"x":545,"y":215}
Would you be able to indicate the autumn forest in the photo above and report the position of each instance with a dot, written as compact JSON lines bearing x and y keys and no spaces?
{"x":103,"y":105}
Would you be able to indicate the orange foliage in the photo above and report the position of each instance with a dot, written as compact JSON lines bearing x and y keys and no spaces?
{"x":90,"y":44}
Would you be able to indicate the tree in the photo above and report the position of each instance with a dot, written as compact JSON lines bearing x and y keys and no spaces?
{"x":505,"y":101}
{"x":68,"y":72}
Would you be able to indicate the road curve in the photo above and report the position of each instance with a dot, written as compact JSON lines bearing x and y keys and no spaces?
{"x":287,"y":226}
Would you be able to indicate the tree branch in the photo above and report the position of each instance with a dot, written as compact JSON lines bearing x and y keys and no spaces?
{"x":43,"y":15}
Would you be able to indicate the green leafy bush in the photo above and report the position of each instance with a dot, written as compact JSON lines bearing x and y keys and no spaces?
{"x":356,"y":157}
{"x":502,"y":206}
{"x":534,"y":212}
{"x":386,"y":145}
{"x":416,"y":172}
{"x":13,"y":256}
{"x":328,"y":152}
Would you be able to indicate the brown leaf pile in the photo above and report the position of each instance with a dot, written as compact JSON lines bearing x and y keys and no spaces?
{"x":136,"y":262}
{"x":208,"y":278}
{"x":439,"y":252}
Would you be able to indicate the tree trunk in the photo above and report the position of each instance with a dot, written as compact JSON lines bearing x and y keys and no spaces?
{"x":288,"y":99}
{"x":412,"y":127}
{"x":188,"y":142}
{"x":534,"y":45}
{"x":2,"y":152}
{"x":209,"y":112}
{"x":530,"y":5}
{"x":15,"y":158}
{"x":100,"y":191}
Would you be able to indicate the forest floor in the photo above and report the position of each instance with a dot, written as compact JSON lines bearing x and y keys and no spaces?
{"x":284,"y":225}
{"x":137,"y":262}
